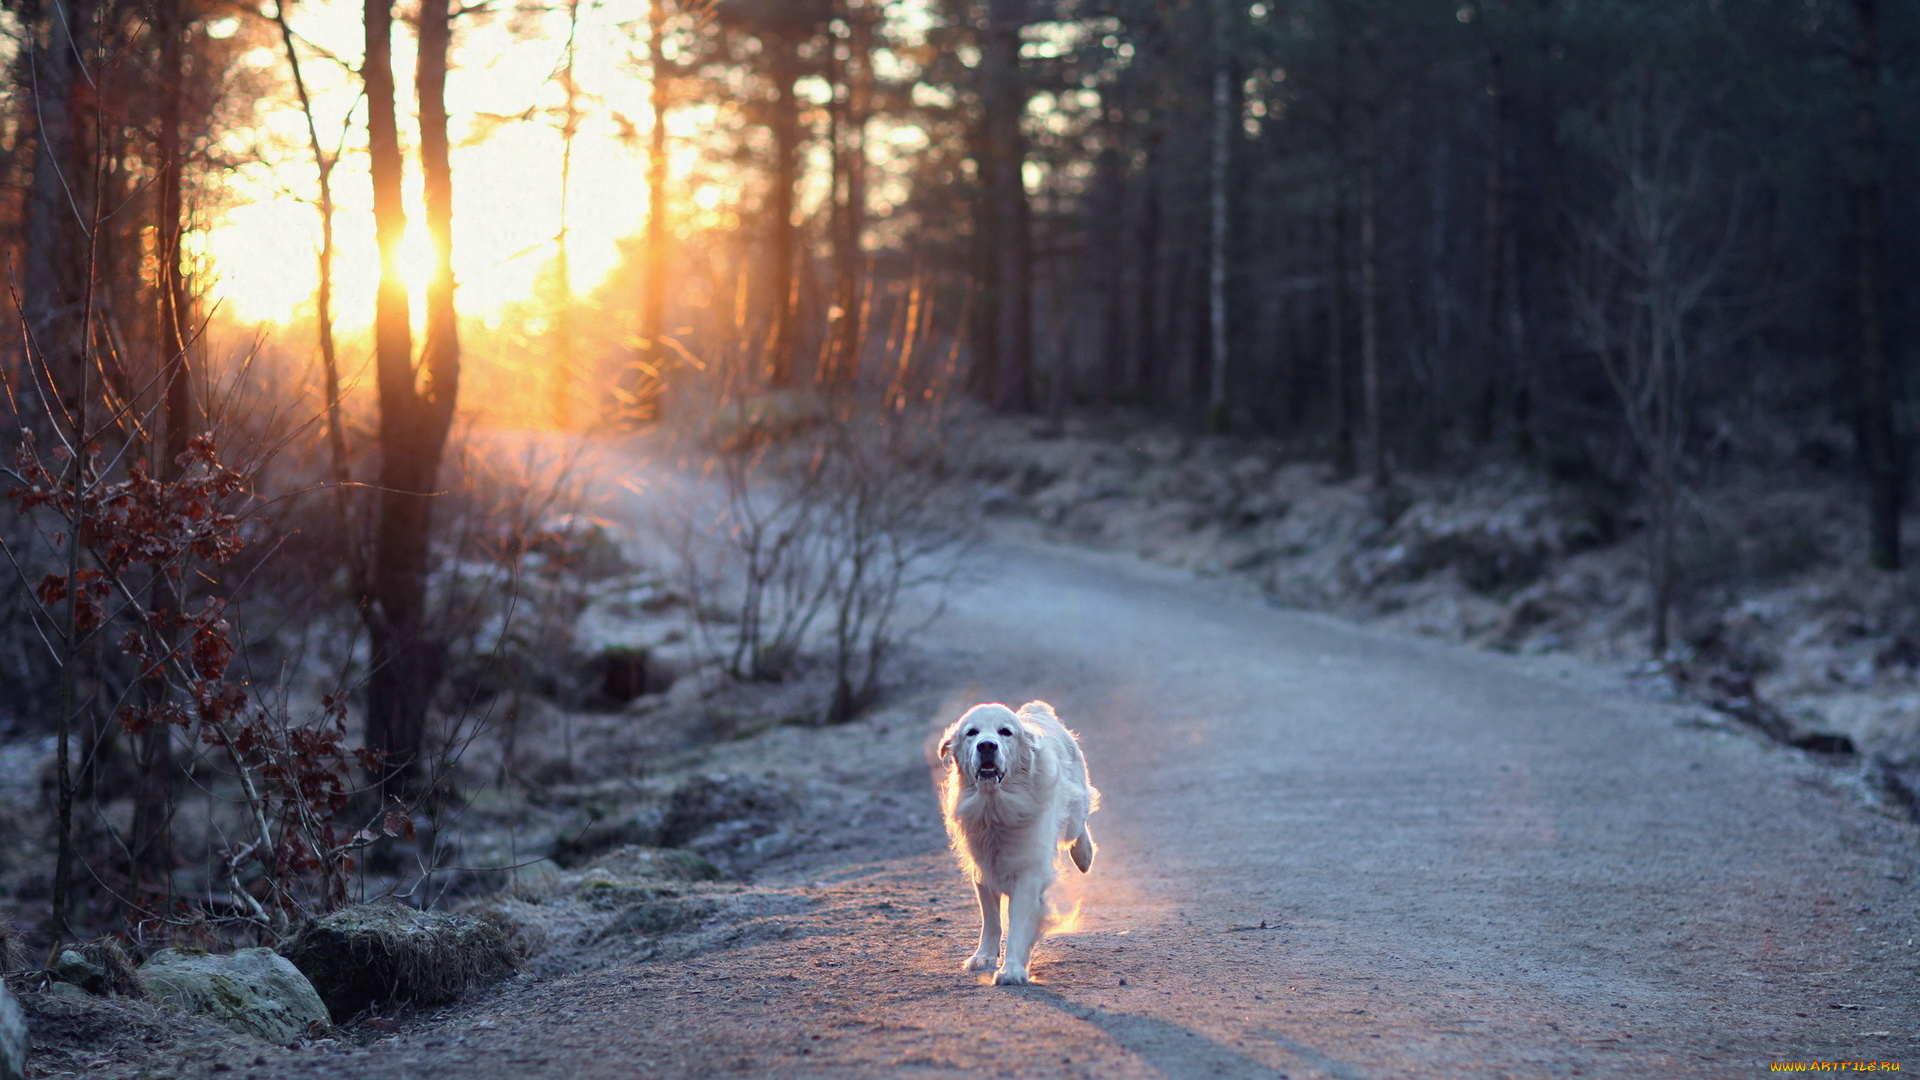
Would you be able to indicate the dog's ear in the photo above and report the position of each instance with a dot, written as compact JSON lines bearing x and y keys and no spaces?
{"x":946,"y":748}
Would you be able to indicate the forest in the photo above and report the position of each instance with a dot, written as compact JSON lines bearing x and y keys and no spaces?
{"x":313,"y":304}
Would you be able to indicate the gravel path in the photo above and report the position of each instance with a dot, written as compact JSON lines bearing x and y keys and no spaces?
{"x":1325,"y":852}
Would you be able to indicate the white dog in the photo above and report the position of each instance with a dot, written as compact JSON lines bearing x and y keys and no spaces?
{"x":1015,"y":792}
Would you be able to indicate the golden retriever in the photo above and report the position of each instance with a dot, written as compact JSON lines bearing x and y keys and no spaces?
{"x":1015,"y":793}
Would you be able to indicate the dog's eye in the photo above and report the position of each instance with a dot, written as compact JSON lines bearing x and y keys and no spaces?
{"x":973,"y":732}
{"x":1004,"y":731}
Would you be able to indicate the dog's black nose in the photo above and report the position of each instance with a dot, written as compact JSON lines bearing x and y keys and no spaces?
{"x":988,"y":750}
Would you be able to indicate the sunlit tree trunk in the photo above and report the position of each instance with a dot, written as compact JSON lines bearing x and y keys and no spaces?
{"x":851,"y":149}
{"x":565,"y":370}
{"x":393,"y":327}
{"x":784,"y":66}
{"x":441,"y":351}
{"x":654,"y":286}
{"x":393,"y":602}
{"x":323,"y":292}
{"x":415,"y":412}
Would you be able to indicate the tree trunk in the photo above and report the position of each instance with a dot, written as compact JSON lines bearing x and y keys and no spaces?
{"x":440,"y":355}
{"x":323,"y":295}
{"x":1294,"y":310}
{"x":1664,"y":363}
{"x":54,"y":285}
{"x":1217,"y":247}
{"x":565,"y":371}
{"x":1006,"y":230}
{"x":840,"y":291}
{"x":646,"y":387}
{"x":1108,"y":272}
{"x":1662,"y":569}
{"x":414,"y":416}
{"x":849,"y":252}
{"x":151,"y":849}
{"x":1486,"y":407}
{"x":393,"y":328}
{"x":1370,"y":291}
{"x":983,"y":313}
{"x":392,"y":605}
{"x":1878,"y":433}
{"x":784,"y":66}
{"x":1339,"y":381}
{"x":63,"y":208}
{"x":175,"y":304}
{"x":1146,"y":315}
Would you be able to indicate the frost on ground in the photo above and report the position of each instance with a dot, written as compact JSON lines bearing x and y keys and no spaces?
{"x":714,"y":846}
{"x":1777,"y":600}
{"x":706,"y":848}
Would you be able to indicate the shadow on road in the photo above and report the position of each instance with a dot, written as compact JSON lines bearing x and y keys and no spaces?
{"x":1184,"y":1054}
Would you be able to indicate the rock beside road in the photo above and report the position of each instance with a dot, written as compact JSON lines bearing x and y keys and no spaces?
{"x":13,"y":1037}
{"x":253,"y":991}
{"x":70,"y":967}
{"x":98,"y":968}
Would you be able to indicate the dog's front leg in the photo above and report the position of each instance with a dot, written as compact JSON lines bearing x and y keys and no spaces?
{"x":984,"y":957}
{"x":1024,"y":906}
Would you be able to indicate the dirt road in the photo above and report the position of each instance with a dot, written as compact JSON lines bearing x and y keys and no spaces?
{"x":1325,"y":852}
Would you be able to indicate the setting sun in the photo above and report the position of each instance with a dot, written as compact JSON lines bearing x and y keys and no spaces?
{"x":507,"y":105}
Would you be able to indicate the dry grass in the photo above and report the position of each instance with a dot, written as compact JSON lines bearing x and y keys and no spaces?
{"x":110,"y":956}
{"x":388,"y":955}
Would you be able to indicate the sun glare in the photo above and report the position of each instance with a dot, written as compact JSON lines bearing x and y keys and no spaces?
{"x":506,"y":163}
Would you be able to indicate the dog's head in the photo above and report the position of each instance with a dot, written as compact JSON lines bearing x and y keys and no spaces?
{"x":988,"y":744}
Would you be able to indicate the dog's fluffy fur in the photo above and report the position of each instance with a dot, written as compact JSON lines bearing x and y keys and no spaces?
{"x":1016,"y":793}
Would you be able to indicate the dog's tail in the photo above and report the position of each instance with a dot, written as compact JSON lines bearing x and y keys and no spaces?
{"x":1082,"y":849}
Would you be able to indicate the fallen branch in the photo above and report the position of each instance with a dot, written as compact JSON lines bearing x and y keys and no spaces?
{"x":1735,"y":696}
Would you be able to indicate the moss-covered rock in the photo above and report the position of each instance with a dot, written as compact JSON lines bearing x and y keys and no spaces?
{"x":388,"y":955}
{"x":253,"y":991}
{"x":100,"y":966}
{"x":70,"y":967}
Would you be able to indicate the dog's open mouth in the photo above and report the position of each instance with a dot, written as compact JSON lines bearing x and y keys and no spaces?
{"x":990,"y":772}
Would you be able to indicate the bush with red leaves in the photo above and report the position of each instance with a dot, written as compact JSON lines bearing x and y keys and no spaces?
{"x":139,"y":529}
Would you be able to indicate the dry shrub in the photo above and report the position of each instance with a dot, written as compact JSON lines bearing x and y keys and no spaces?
{"x":13,"y":946}
{"x":110,"y":956}
{"x":819,"y":518}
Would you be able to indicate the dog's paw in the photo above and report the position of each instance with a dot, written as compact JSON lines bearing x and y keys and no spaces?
{"x":978,"y":962}
{"x":1010,"y":977}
